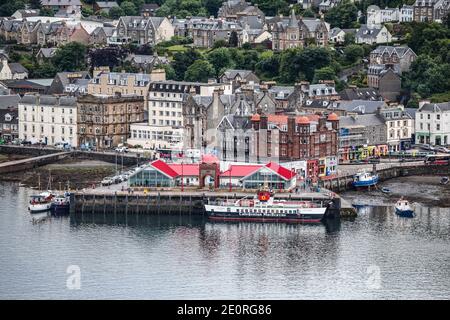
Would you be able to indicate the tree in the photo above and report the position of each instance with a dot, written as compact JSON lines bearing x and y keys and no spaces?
{"x":129,"y":9}
{"x":116,"y":12}
{"x":182,"y":61}
{"x":271,"y":7}
{"x":108,"y":56}
{"x":219,"y":44}
{"x":200,"y":70}
{"x":70,"y":57}
{"x":268,"y":65}
{"x":353,"y":53}
{"x":8,"y":8}
{"x":325,"y":73}
{"x":343,"y":15}
{"x":86,"y":11}
{"x":233,"y":41}
{"x":212,"y":6}
{"x":45,"y":70}
{"x":221,"y":59}
{"x":349,"y":38}
{"x":170,"y":72}
{"x":46,"y":12}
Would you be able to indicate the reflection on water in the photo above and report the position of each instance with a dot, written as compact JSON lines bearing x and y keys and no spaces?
{"x":188,"y":257}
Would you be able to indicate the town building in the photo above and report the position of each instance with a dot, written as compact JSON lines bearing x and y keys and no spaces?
{"x":12,"y":71}
{"x":233,"y":9}
{"x":9,"y":124}
{"x":63,"y":80}
{"x":361,"y":136}
{"x":372,"y":35}
{"x":406,"y":13}
{"x":401,"y":57}
{"x":144,"y":30}
{"x":63,"y":8}
{"x":45,"y":54}
{"x":430,"y":10}
{"x":146,"y":63}
{"x":208,"y":31}
{"x":355,"y":93}
{"x":386,"y":78}
{"x":399,"y":127}
{"x":27,"y":86}
{"x":104,"y":6}
{"x":433,"y":123}
{"x":238,"y":78}
{"x":48,"y":119}
{"x":149,"y":9}
{"x":336,"y":36}
{"x":104,"y":121}
{"x":376,"y":17}
{"x":293,"y":32}
{"x":25,"y":13}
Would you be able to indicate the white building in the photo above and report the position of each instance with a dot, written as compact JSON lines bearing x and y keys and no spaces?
{"x":406,"y":13}
{"x":433,"y":123}
{"x":48,"y":119}
{"x":372,"y":35}
{"x":399,"y":127}
{"x":12,"y":71}
{"x":165,"y":111}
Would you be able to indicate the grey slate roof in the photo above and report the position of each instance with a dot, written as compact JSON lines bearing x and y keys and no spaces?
{"x":106,"y":4}
{"x":435,"y":107}
{"x":399,"y":50}
{"x":232,"y":73}
{"x":49,"y":100}
{"x":7,"y":101}
{"x":365,"y":120}
{"x":47,"y":52}
{"x":366,"y":33}
{"x":17,"y":68}
{"x":360,"y":94}
{"x":360,"y":106}
{"x":12,"y":113}
{"x":61,"y":2}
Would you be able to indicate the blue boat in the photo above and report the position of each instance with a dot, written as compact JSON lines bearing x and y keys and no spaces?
{"x":404,"y":209}
{"x":365,"y":179}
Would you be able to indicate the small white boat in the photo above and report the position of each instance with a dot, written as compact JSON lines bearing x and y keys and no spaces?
{"x":39,"y":203}
{"x":404,"y":209}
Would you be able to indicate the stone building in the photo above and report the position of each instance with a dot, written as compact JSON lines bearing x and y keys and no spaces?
{"x":104,"y":121}
{"x":400,"y":56}
{"x":386,"y":79}
{"x":296,"y":32}
{"x":144,"y":30}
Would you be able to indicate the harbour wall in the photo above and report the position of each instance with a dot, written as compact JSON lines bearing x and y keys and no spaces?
{"x":344,"y":183}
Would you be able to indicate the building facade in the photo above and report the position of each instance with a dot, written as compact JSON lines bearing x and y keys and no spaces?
{"x":433,"y":123}
{"x":104,"y":121}
{"x":48,"y":119}
{"x":144,"y":30}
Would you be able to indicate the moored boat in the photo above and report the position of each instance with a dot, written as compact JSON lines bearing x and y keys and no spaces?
{"x":386,"y":190}
{"x":364,"y":179}
{"x":264,"y":208}
{"x":404,"y":209}
{"x":61,"y":203}
{"x":39,"y":203}
{"x":444,"y":180}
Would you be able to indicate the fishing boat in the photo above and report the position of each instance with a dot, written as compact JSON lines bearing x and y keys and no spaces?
{"x":61,"y":203}
{"x":404,"y":209}
{"x":264,"y":208}
{"x":444,"y":180}
{"x":40,"y":203}
{"x":364,"y":179}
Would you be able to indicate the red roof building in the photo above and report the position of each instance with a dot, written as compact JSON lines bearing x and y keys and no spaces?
{"x":164,"y":168}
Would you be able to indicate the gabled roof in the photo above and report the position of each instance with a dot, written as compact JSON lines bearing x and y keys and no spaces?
{"x":240,"y":170}
{"x":399,"y":50}
{"x":164,"y":168}
{"x":283,"y":172}
{"x":7,"y":101}
{"x":47,"y":52}
{"x":17,"y":68}
{"x":188,"y":169}
{"x":106,"y":4}
{"x":435,"y":107}
{"x":61,"y":2}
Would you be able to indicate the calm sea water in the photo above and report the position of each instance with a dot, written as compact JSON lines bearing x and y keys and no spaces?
{"x":376,"y":256}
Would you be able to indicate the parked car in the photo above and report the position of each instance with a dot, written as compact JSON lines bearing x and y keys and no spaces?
{"x":107,"y":181}
{"x":25,"y":143}
{"x":443,"y":149}
{"x":121,"y":149}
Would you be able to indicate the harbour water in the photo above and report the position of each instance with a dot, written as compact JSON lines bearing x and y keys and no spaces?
{"x":376,"y":256}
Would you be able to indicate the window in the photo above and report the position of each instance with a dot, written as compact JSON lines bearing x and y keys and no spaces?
{"x":438,"y":117}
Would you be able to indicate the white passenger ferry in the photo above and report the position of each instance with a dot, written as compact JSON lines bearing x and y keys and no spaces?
{"x":266,"y":209}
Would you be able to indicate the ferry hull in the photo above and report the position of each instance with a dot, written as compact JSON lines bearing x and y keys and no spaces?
{"x":310,"y":215}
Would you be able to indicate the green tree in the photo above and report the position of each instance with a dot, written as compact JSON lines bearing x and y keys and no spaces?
{"x":200,"y":70}
{"x":221,"y":59}
{"x":45,"y":70}
{"x":116,"y":12}
{"x":271,"y":7}
{"x":268,"y":66}
{"x":170,"y":72}
{"x":182,"y":61}
{"x":129,"y":9}
{"x":70,"y":57}
{"x":212,"y":6}
{"x":47,"y":12}
{"x":353,"y":53}
{"x":349,"y":38}
{"x":325,"y":73}
{"x":233,"y":41}
{"x":8,"y":8}
{"x":87,"y":11}
{"x":343,"y":15}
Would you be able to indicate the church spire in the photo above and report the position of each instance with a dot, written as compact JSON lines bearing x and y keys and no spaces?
{"x":293,"y":22}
